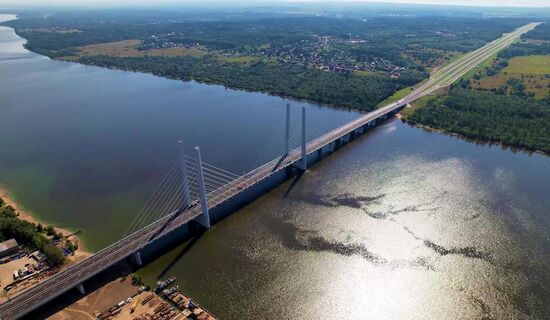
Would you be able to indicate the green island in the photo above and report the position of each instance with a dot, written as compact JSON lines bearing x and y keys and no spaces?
{"x":507,"y":100}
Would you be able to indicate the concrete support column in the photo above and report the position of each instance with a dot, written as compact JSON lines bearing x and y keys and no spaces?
{"x":137,"y":258}
{"x":185,"y":180}
{"x":205,"y":218}
{"x":80,"y":289}
{"x":287,"y":130}
{"x":304,"y":155}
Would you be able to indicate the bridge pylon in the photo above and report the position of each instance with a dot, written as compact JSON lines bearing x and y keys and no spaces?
{"x":303,"y":165}
{"x":204,"y":219}
{"x":287,"y":131}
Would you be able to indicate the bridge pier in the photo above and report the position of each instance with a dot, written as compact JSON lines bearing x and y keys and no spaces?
{"x":80,"y":289}
{"x":137,"y":258}
{"x":204,"y":219}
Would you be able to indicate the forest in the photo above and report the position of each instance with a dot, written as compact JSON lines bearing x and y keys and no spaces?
{"x":509,"y":113}
{"x":344,"y":61}
{"x":29,"y":234}
{"x":342,"y":90}
{"x":535,"y":42}
{"x":513,"y":120}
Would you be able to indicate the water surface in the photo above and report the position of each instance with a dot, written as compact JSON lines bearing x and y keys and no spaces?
{"x":401,"y":224}
{"x":83,"y":147}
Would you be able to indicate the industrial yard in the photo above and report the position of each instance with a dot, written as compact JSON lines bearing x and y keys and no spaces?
{"x":166,"y":302}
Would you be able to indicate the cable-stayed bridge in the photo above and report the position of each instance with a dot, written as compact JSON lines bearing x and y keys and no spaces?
{"x":194,"y":190}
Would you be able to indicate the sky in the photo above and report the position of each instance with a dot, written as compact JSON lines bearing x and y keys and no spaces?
{"x":495,"y":3}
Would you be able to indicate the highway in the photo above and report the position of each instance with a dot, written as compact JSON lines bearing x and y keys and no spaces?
{"x":40,"y":294}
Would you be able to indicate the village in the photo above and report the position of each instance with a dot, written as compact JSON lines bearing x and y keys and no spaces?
{"x":322,"y":52}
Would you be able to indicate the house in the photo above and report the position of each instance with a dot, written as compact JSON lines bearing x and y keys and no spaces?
{"x":8,"y":247}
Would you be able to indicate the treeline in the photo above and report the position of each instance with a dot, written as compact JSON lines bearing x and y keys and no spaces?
{"x":512,"y":120}
{"x":534,"y":42}
{"x":29,"y":234}
{"x":384,"y":37}
{"x":293,"y":80}
{"x":541,"y":32}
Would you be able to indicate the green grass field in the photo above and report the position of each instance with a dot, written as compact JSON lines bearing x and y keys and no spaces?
{"x":362,"y":73}
{"x":485,"y":64}
{"x":396,"y":96}
{"x":529,"y":65}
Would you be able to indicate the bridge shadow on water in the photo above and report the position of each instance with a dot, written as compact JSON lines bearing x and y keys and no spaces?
{"x":180,"y":254}
{"x":294,"y":183}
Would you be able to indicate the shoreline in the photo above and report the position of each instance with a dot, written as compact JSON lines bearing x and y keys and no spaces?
{"x":479,"y":141}
{"x":26,"y":215}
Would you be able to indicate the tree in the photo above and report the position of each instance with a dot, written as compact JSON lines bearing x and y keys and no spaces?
{"x":53,"y":254}
{"x":8,"y":211}
{"x":49,"y":230}
{"x":71,"y":246}
{"x":57,"y":235}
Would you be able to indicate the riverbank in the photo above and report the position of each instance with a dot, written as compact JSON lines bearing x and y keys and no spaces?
{"x":26,"y":215}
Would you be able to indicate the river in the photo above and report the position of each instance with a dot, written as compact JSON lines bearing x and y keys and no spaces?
{"x":403,"y":223}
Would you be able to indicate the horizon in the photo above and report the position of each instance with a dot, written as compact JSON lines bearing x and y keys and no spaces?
{"x":11,"y":4}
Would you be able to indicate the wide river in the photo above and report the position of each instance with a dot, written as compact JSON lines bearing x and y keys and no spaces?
{"x":402,"y":223}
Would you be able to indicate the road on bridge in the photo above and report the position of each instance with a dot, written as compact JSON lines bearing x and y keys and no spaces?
{"x":47,"y":290}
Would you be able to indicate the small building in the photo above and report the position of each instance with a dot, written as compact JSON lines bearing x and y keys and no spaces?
{"x":8,"y":247}
{"x":38,"y":256}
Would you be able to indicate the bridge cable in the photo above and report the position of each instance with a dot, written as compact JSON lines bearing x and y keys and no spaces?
{"x":149,"y":200}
